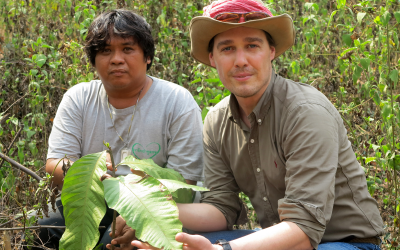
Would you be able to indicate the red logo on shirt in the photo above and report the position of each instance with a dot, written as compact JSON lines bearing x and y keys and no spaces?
{"x":276,"y":165}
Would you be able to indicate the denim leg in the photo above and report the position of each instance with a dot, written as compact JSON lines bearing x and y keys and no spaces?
{"x":50,"y":237}
{"x":226,"y":235}
{"x":347,"y":246}
{"x":366,"y":246}
{"x":106,"y":239}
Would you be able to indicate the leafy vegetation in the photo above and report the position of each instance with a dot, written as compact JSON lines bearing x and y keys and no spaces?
{"x":83,"y":202}
{"x":145,"y":199}
{"x":347,"y":49}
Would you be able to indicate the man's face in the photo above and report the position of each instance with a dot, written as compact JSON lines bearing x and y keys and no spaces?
{"x":121,"y":64}
{"x":242,"y":57}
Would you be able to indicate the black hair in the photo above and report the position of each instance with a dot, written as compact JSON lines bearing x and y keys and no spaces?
{"x":122,"y":23}
{"x":270,"y":40}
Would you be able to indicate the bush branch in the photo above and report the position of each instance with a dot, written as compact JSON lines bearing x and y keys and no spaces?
{"x":19,"y":166}
{"x":10,"y":146}
{"x":37,"y":227}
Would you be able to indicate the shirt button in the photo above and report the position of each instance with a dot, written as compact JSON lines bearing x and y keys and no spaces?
{"x":252,"y":140}
{"x":265,"y":198}
{"x":258,"y":170}
{"x":259,"y":121}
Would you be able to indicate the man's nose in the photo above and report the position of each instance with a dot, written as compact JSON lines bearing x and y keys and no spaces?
{"x":241,"y":58}
{"x":117,"y":57}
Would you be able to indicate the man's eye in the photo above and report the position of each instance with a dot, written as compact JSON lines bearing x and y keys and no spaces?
{"x":105,"y":51}
{"x":227,"y":49}
{"x":128,"y":49}
{"x":253,"y":46}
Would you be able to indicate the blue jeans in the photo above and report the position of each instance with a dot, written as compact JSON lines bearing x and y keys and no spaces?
{"x":235,"y":234}
{"x":347,"y":246}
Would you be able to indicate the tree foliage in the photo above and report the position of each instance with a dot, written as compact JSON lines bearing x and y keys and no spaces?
{"x":347,"y":49}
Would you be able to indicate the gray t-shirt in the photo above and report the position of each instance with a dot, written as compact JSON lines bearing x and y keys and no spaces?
{"x":166,"y":128}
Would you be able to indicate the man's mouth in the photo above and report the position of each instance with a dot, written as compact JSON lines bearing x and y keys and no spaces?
{"x":242,"y":76}
{"x":117,"y":72}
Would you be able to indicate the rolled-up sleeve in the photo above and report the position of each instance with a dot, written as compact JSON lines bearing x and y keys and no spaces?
{"x":310,"y":146}
{"x":224,"y":191}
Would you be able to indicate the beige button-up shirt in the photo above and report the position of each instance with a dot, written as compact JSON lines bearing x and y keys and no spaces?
{"x":295,"y":163}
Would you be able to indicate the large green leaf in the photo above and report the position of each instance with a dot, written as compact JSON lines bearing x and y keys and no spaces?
{"x":152,"y":169}
{"x":149,"y":167}
{"x":146,"y":207}
{"x":173,"y":186}
{"x":83,"y":201}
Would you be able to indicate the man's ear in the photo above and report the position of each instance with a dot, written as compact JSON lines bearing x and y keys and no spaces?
{"x":148,"y":61}
{"x":272,"y":53}
{"x":211,"y":58}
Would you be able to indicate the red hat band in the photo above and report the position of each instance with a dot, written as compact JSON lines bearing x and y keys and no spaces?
{"x":235,"y":6}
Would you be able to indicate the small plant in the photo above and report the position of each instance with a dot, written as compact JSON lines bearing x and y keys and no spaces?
{"x":146,"y":199}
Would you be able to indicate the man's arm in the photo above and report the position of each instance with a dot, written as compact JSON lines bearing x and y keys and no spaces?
{"x":65,"y":137}
{"x":54,"y":167}
{"x":201,"y":217}
{"x":285,"y":235}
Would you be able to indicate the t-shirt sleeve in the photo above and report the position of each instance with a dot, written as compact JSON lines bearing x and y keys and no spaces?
{"x":310,"y":144}
{"x":185,"y":145}
{"x":66,"y":134}
{"x":219,"y":179}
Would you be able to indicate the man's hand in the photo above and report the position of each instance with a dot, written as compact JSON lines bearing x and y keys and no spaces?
{"x":143,"y":246}
{"x":108,"y":162}
{"x":124,"y":235}
{"x":196,"y":242}
{"x":190,"y":242}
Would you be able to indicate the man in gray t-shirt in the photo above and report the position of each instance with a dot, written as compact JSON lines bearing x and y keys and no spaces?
{"x":166,"y":127}
{"x":136,"y":114}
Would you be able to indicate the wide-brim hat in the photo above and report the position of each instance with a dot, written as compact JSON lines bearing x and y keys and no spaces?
{"x":203,"y":29}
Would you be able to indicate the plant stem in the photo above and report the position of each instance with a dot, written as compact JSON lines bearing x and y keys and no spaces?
{"x":204,"y":93}
{"x":12,"y":142}
{"x":392,"y":123}
{"x":115,"y":212}
{"x":16,"y":102}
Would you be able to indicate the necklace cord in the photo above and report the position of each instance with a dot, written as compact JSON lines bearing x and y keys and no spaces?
{"x":133,"y":115}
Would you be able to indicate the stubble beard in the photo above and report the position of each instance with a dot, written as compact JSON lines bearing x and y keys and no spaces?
{"x":249,"y":89}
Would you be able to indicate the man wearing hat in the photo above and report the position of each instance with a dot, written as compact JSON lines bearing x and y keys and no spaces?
{"x":280,"y":142}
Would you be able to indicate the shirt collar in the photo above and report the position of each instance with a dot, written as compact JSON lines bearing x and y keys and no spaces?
{"x":261,"y":108}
